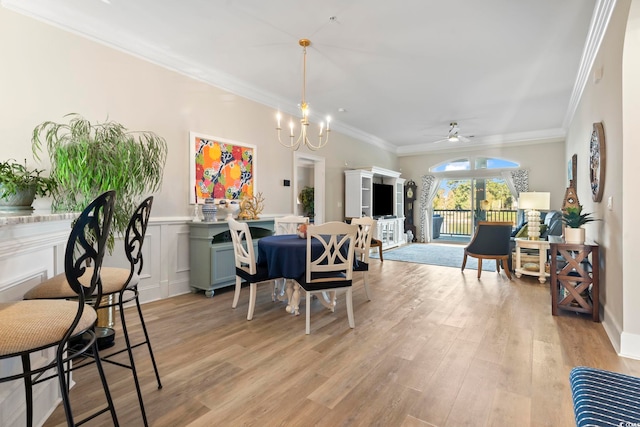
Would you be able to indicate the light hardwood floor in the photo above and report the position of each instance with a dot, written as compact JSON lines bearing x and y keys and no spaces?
{"x":435,"y":347}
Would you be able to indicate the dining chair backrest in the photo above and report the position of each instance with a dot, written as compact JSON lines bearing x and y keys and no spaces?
{"x":289,"y":224}
{"x":242,"y":246}
{"x":363,"y":237}
{"x":338,"y":243}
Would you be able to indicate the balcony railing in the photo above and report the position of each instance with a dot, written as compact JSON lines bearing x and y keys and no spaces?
{"x":458,"y":222}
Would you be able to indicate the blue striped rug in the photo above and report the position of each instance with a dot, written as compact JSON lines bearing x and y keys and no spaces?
{"x":434,"y":254}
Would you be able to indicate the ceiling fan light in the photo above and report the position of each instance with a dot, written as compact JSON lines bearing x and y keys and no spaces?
{"x":453,"y":138}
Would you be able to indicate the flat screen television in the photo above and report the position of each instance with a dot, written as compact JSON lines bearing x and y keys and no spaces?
{"x":382,"y":200}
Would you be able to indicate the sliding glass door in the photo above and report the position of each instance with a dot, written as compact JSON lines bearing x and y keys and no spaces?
{"x":465,"y":201}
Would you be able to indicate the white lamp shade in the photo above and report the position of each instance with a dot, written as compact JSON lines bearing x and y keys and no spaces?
{"x":536,"y":200}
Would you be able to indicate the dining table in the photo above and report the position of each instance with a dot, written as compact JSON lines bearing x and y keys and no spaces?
{"x":285,"y":256}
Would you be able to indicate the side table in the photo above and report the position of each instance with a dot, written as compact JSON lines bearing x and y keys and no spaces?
{"x":541,"y":246}
{"x":575,"y":278}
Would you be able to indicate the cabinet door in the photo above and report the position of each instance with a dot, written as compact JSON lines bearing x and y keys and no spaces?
{"x":223,"y":265}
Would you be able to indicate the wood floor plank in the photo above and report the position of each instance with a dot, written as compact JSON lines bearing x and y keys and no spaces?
{"x":434,"y":347}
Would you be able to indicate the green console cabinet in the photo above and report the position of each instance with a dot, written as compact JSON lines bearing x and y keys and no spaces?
{"x":211,"y":256}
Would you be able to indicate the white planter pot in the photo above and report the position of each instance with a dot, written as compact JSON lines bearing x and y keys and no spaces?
{"x":574,"y":235}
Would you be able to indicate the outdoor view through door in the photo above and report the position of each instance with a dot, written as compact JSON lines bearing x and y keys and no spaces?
{"x":466,"y":196}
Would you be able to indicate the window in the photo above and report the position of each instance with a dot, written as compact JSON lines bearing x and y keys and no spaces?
{"x":479,"y":163}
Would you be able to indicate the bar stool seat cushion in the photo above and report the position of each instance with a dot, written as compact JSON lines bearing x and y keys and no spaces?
{"x":57,"y":287}
{"x":40,"y":323}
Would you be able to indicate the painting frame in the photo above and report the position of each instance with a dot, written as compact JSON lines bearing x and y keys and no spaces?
{"x":220,"y":168}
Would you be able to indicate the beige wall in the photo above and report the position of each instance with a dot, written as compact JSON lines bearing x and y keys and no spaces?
{"x":630,"y":339}
{"x":602,"y":101}
{"x":47,"y":72}
{"x":545,"y":163}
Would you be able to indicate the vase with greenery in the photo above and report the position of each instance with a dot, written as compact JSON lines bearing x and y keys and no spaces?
{"x":574,"y":219}
{"x":88,"y":159}
{"x":307,"y":198}
{"x":19,"y":185}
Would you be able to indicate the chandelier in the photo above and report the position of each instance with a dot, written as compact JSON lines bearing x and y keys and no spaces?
{"x":323,"y":134}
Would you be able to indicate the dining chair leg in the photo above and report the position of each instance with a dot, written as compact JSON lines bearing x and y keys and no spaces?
{"x":479,"y":267}
{"x":236,"y":295}
{"x":365,"y":280}
{"x":253,"y":291}
{"x":498,"y":265}
{"x":308,"y":314}
{"x":464,"y":261}
{"x":349,"y":295}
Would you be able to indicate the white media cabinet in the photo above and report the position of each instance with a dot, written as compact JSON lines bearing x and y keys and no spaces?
{"x":358,"y":194}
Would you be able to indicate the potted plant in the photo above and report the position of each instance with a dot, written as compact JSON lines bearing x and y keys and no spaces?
{"x":307,"y":198}
{"x":90,"y":158}
{"x":574,"y":219}
{"x":20,"y":185}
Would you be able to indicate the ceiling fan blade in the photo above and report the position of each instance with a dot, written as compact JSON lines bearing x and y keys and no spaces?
{"x":464,"y":138}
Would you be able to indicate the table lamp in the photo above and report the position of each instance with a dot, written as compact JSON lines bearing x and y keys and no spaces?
{"x":533,"y":202}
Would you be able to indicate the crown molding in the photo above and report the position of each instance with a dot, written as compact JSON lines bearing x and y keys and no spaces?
{"x":597,"y":29}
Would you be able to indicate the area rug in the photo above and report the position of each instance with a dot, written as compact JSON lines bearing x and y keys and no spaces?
{"x":434,"y":254}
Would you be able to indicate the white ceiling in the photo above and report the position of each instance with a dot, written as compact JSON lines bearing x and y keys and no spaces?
{"x":505,"y":70}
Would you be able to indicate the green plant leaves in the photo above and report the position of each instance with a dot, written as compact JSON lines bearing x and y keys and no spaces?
{"x":88,"y":159}
{"x":574,"y":218}
{"x":16,"y":177}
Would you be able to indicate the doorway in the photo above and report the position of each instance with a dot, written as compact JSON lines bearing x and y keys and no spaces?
{"x":309,"y":170}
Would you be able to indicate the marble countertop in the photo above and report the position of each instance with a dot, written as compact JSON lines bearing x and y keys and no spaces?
{"x":28,"y":217}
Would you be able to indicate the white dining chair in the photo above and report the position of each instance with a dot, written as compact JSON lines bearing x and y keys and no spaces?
{"x":285,"y":225}
{"x":362,"y":249}
{"x":332,"y":269}
{"x":289,"y":224}
{"x":246,"y":267}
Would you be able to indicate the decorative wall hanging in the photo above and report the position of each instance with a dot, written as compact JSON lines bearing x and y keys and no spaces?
{"x":572,"y":171}
{"x":221,"y":168}
{"x":597,"y":161}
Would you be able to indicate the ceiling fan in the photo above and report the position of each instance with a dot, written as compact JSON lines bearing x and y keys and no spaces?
{"x":454,"y":135}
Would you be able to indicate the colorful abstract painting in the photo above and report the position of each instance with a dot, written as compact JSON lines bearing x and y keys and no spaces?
{"x":221,"y":169}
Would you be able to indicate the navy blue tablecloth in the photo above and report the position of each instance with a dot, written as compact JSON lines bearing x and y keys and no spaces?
{"x":285,"y":255}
